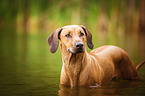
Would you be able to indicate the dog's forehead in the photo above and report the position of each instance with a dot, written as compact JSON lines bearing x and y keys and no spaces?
{"x":72,"y":28}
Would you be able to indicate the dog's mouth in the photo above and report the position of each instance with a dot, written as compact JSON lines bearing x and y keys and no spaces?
{"x":76,"y":50}
{"x":79,"y":50}
{"x":69,"y":51}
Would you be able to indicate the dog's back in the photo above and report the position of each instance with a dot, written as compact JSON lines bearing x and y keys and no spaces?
{"x":88,"y":68}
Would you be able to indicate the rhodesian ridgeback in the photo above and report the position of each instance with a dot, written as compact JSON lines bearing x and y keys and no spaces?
{"x":82,"y":68}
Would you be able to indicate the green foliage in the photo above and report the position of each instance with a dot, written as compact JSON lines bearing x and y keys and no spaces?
{"x":62,"y":12}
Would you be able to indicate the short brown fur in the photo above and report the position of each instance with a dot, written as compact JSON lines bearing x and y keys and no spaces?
{"x":89,"y":68}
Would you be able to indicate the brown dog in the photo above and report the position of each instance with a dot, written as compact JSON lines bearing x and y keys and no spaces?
{"x":88,"y":69}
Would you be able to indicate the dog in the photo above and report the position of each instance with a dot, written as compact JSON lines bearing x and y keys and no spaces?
{"x":82,"y":68}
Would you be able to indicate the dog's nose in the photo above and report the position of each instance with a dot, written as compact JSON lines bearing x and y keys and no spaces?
{"x":79,"y":44}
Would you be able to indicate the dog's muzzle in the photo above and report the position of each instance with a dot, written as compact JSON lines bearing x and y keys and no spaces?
{"x":79,"y":47}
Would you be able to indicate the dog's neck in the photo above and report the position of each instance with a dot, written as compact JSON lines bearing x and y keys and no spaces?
{"x":73,"y":64}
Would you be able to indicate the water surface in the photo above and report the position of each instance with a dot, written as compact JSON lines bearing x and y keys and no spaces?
{"x":27,"y":68}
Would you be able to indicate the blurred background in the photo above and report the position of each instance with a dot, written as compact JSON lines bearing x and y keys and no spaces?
{"x":117,"y":22}
{"x":25,"y":59}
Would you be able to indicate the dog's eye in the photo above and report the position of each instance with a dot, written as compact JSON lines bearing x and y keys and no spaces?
{"x":67,"y":35}
{"x":82,"y":34}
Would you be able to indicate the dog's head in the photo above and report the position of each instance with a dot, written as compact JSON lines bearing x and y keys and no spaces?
{"x":73,"y":37}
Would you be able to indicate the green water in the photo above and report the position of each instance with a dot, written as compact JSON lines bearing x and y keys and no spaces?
{"x":27,"y":68}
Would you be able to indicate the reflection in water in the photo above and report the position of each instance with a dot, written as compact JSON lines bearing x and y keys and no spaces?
{"x":28,"y":68}
{"x":121,"y":87}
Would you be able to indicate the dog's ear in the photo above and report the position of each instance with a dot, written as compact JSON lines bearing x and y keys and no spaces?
{"x":89,"y":37}
{"x":53,"y":40}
